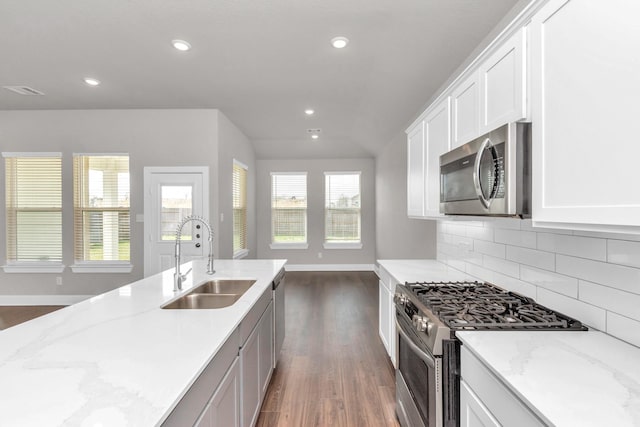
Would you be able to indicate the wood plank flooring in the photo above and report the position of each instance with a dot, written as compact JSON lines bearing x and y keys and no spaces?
{"x":333,"y":370}
{"x":11,"y":315}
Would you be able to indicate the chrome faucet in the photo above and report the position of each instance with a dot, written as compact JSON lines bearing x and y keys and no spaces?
{"x":178,"y":277}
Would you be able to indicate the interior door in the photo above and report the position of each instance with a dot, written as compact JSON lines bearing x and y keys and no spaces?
{"x":171,"y":194}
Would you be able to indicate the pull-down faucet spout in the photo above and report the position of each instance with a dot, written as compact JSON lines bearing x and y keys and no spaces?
{"x":178,"y":277}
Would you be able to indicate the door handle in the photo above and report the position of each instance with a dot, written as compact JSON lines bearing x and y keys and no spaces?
{"x":197,"y":245}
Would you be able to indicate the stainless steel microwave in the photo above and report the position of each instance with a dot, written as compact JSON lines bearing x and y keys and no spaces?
{"x":489,"y":175}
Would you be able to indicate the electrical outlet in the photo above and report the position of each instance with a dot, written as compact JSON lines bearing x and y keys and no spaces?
{"x":59,"y":281}
{"x":319,"y":254}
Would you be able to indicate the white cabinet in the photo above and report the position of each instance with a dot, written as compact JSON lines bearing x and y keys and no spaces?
{"x":256,"y":365}
{"x":224,"y":408}
{"x":415,"y":171}
{"x":585,"y":90}
{"x":486,"y":401}
{"x":503,"y":84}
{"x":437,"y":126}
{"x":387,"y":314}
{"x":465,"y":110}
{"x":472,"y":412}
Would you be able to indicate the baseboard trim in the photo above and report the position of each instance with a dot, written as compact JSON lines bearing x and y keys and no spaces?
{"x":329,"y":267}
{"x":42,"y":299}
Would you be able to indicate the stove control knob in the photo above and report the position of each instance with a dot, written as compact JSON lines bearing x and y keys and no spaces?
{"x":401,"y":299}
{"x":422,"y":324}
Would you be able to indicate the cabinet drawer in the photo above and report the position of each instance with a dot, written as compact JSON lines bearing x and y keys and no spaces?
{"x":499,"y":400}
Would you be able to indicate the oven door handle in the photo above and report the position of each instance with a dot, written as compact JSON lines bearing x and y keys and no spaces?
{"x":426,"y":357}
{"x":486,"y":202}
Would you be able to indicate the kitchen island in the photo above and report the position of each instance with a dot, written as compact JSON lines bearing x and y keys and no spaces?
{"x":118,"y":359}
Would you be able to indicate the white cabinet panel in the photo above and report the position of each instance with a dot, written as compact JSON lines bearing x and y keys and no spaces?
{"x":465,"y":111}
{"x":224,"y":408}
{"x":472,"y":412}
{"x":502,"y":79}
{"x":585,"y":89}
{"x":387,"y":314}
{"x":266,"y":349}
{"x":383,"y":314}
{"x":437,"y":142}
{"x":415,"y":171}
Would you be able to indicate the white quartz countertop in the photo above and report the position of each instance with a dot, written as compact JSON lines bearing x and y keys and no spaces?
{"x":566,"y":378}
{"x":117,"y":359}
{"x":421,"y":270}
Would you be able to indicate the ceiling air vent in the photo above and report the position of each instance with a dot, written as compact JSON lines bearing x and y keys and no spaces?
{"x":23,"y":90}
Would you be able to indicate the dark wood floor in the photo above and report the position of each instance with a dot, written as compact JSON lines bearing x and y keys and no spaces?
{"x":11,"y":315}
{"x":333,"y":370}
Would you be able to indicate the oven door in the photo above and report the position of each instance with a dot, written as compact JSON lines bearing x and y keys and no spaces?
{"x":418,"y":379}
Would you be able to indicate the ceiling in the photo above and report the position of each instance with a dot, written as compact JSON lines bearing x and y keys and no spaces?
{"x":261,"y":62}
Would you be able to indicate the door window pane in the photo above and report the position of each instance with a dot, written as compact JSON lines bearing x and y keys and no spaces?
{"x":177,"y":203}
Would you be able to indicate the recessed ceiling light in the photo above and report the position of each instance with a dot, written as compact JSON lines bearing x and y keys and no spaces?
{"x":315,"y":136}
{"x":339,"y":42}
{"x":181,"y":45}
{"x":91,"y":81}
{"x":309,"y":112}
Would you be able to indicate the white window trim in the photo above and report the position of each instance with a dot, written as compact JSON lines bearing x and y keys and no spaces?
{"x":242,"y":253}
{"x":33,"y":267}
{"x":102,"y":267}
{"x":289,"y":245}
{"x":32,"y":154}
{"x":242,"y":165}
{"x":342,"y":245}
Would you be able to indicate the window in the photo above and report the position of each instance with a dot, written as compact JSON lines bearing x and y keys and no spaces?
{"x":342,"y":210}
{"x":101,"y":212}
{"x":239,"y":210}
{"x":289,"y":210}
{"x":33,"y":195}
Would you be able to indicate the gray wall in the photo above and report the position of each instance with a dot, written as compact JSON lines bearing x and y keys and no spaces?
{"x":233,"y":144}
{"x":398,"y":236}
{"x":152,"y":138}
{"x":315,"y":211}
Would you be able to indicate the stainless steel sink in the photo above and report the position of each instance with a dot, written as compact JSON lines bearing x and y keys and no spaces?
{"x":218,"y":293}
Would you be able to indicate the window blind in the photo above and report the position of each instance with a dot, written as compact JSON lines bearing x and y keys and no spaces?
{"x":342,"y":207}
{"x":33,"y":194}
{"x":289,"y":207}
{"x":239,"y":207}
{"x":101,"y":207}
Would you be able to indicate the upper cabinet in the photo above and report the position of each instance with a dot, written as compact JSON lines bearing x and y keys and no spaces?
{"x":503,"y":84}
{"x":585,"y":88}
{"x":415,"y":170}
{"x":465,"y":98}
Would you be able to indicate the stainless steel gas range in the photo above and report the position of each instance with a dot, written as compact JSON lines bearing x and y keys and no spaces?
{"x":427,"y":316}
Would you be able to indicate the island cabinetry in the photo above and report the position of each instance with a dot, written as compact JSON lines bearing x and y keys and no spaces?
{"x":224,"y":407}
{"x":486,"y":401}
{"x":256,"y":361}
{"x":209,"y":386}
{"x":585,"y":88}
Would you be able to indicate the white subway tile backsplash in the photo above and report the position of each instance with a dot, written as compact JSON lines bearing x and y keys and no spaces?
{"x":515,"y":285}
{"x":614,"y":300}
{"x":457,"y":229}
{"x":601,"y":235}
{"x":501,"y":266}
{"x":526,"y":239}
{"x":583,"y":247}
{"x":588,"y":314}
{"x":623,"y":252}
{"x":532,"y":257}
{"x":552,"y":281}
{"x":505,"y":223}
{"x":616,"y":276}
{"x":489,"y":248}
{"x":624,"y":328}
{"x":480,"y":233}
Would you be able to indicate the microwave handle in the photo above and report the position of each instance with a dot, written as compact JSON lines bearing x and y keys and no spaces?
{"x":476,"y":173}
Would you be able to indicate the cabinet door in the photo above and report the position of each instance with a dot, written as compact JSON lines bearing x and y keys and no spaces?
{"x":502,"y":79}
{"x":585,"y":90}
{"x":415,"y":171}
{"x":465,"y":110}
{"x":250,"y":374}
{"x":437,"y":142}
{"x":224,"y":408}
{"x":266,"y":349}
{"x":472,"y":412}
{"x":392,"y":339}
{"x":383,"y":313}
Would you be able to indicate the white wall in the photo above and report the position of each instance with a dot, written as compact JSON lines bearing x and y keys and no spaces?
{"x":397,"y":235}
{"x":315,"y":211}
{"x":152,"y":138}
{"x":593,"y":277}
